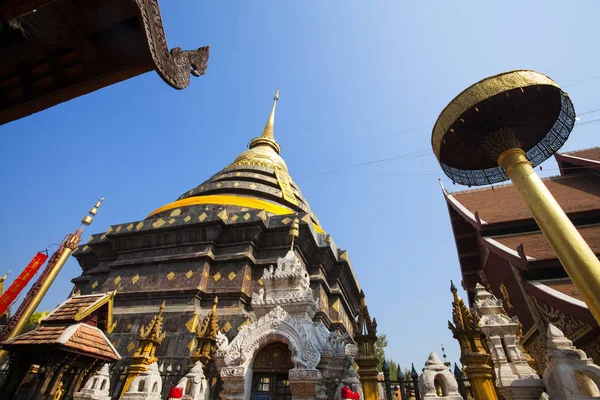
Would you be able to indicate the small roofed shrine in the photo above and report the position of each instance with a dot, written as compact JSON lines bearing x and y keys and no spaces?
{"x":54,"y":51}
{"x":69,"y":345}
{"x":500,"y":246}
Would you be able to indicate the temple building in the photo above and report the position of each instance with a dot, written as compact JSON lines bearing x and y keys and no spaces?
{"x":234,"y":288}
{"x":500,"y":247}
{"x":54,"y":51}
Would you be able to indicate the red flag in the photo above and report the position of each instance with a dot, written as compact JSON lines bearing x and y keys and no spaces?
{"x":22,"y":280}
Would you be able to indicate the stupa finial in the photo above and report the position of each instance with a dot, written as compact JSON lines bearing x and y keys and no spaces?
{"x":268,"y":135}
{"x":269,"y":131}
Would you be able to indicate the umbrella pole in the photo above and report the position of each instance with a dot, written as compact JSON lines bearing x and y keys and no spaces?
{"x":580,"y":262}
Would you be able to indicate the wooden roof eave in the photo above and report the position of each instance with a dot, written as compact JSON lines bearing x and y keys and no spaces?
{"x":561,"y":301}
{"x":561,"y":159}
{"x":516,"y":257}
{"x":463,"y":211}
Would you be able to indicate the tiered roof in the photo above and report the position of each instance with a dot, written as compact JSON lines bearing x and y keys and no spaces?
{"x":497,"y":220}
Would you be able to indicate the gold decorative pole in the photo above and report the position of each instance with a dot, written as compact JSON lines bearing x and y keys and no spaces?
{"x":501,"y":128}
{"x":574,"y":253}
{"x":473,"y":355}
{"x":365,"y":336}
{"x":31,"y":302}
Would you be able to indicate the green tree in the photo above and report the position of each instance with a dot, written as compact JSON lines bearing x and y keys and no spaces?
{"x":35,"y":318}
{"x":380,"y":346}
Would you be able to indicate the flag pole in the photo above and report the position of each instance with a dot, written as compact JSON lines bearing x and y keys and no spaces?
{"x":19,"y":320}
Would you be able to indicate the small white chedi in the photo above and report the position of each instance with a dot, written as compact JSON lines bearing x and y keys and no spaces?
{"x":437,"y":377}
{"x":569,"y":374}
{"x":146,"y":386}
{"x":97,"y":387}
{"x":194,"y":384}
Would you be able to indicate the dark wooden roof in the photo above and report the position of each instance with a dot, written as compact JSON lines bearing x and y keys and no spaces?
{"x":575,"y":193}
{"x":78,"y":338}
{"x":74,"y":308}
{"x":54,"y":51}
{"x":535,"y":244}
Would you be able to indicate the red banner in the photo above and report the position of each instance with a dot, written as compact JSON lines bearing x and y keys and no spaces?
{"x":22,"y":280}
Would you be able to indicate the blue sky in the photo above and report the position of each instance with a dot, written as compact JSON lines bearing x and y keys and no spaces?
{"x":350,"y":73}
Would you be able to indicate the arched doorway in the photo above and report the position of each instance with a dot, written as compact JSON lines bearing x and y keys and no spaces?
{"x":270,"y":373}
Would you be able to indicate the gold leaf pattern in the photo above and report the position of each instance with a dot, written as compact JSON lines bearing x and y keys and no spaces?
{"x":192,"y":324}
{"x":191,"y":345}
{"x":176,"y":212}
{"x":217,"y":276}
{"x":246,"y":216}
{"x":159,"y":223}
{"x":187,"y":219}
{"x":202,"y":217}
{"x":231,"y":275}
{"x":189,"y":274}
{"x":117,"y":280}
{"x":223,"y":215}
{"x":118,"y":229}
{"x":170,"y":275}
{"x":234,"y":218}
{"x":135,"y":279}
{"x":139,"y":226}
{"x":172,"y":220}
{"x":95,"y":285}
{"x":129,"y":227}
{"x":227,"y":327}
{"x":286,"y":220}
{"x":130,"y":347}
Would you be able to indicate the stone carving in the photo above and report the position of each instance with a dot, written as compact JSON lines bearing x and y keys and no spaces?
{"x":569,"y":373}
{"x":194,"y":384}
{"x":287,"y":286}
{"x":277,"y":325}
{"x":350,"y":379}
{"x":515,"y":377}
{"x":97,"y":387}
{"x":337,"y":342}
{"x":175,"y":66}
{"x":285,"y":309}
{"x":146,"y":386}
{"x":437,"y":377}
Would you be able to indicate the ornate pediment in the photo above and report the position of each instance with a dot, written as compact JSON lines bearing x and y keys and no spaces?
{"x":287,"y":286}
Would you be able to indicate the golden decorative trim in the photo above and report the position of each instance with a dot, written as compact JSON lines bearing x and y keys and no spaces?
{"x":479,"y":91}
{"x":232,"y":200}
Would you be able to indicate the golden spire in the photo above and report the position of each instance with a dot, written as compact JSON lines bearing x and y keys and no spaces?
{"x":268,"y":135}
{"x":154,"y":332}
{"x":149,"y":339}
{"x":268,"y":132}
{"x":206,"y":337}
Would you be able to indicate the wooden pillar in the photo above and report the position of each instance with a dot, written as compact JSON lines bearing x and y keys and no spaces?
{"x":16,"y":372}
